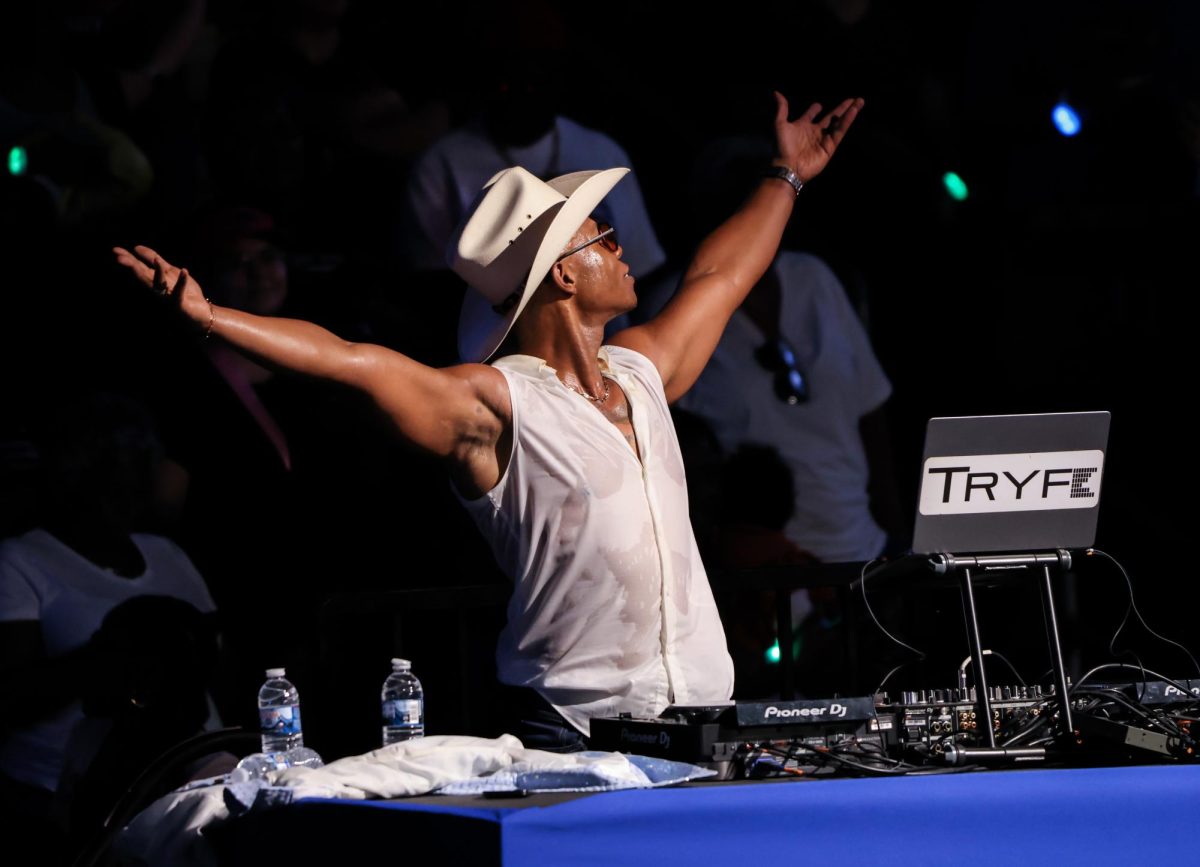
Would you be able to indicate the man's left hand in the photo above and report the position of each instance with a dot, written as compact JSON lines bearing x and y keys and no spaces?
{"x":806,"y":144}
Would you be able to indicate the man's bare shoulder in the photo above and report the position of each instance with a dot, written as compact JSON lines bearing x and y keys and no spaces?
{"x":488,"y":384}
{"x":639,"y":338}
{"x":481,"y":455}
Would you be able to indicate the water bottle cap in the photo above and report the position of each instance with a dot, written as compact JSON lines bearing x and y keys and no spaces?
{"x":401,"y":665}
{"x":276,"y":672}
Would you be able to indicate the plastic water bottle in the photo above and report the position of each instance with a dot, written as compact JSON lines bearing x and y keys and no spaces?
{"x":256,"y":766}
{"x":403,"y":704}
{"x":279,"y":713}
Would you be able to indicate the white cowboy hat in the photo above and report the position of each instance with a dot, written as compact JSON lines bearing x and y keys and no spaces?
{"x":508,"y":243}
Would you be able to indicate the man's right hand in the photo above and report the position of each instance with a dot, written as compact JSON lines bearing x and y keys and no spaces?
{"x":172,"y":283}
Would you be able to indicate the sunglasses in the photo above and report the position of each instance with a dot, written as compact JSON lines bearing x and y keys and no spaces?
{"x":607,"y":239}
{"x":777,"y":356}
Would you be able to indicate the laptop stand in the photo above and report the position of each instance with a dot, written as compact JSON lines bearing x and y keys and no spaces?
{"x":967,"y":568}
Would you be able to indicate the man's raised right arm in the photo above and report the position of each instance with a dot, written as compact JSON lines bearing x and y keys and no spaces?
{"x":459,"y":413}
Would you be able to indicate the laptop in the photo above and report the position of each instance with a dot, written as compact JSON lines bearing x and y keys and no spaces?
{"x":1010,"y":483}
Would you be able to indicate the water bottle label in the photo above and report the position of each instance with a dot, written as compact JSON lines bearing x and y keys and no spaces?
{"x":282,"y":721}
{"x":402,"y":712}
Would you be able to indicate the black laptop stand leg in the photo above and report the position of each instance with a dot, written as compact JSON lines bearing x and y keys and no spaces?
{"x":1056,"y":659}
{"x":981,"y":687}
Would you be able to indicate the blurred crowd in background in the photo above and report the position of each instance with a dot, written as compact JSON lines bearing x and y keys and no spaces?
{"x":309,"y":158}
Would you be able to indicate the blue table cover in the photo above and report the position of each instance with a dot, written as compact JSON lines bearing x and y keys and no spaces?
{"x":1131,"y":815}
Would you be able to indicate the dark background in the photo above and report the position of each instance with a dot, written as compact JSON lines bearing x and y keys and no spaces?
{"x":1057,"y":285}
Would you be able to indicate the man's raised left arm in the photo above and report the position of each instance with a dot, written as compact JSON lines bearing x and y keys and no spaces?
{"x":734,"y":257}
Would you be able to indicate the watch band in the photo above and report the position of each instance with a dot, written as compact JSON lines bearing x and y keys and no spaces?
{"x":786,"y":174}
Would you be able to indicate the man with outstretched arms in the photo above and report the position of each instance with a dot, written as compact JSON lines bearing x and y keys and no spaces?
{"x":564,"y":453}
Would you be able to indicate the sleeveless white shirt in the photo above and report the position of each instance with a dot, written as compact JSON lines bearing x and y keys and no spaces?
{"x":611,"y":609}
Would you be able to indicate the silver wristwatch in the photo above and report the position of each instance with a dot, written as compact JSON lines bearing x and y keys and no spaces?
{"x":786,"y":174}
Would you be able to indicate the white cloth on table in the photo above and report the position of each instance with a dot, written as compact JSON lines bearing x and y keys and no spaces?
{"x":168,"y":832}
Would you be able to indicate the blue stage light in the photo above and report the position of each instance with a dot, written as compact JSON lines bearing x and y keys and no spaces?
{"x":1066,"y":119}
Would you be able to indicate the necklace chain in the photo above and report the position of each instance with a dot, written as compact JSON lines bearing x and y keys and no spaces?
{"x":597,"y":400}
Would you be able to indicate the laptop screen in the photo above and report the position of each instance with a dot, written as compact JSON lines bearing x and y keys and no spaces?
{"x":1021,"y":483}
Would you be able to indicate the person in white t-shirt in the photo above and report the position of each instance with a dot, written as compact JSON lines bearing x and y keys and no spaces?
{"x":565,"y":452}
{"x":446,"y":179}
{"x":83,"y":573}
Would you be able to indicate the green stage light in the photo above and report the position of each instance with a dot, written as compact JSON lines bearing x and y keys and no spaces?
{"x":772,"y":654}
{"x":955,"y":186}
{"x":18,"y":160}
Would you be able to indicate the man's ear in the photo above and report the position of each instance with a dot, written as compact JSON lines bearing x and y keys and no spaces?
{"x":563,"y":277}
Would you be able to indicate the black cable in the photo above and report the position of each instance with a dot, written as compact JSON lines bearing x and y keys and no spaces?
{"x":911,"y":770}
{"x":1120,"y":698}
{"x":1110,"y":702}
{"x":842,"y":760}
{"x":862,"y":581}
{"x":1140,"y":669}
{"x":870,"y":747}
{"x":1042,"y":719}
{"x":1024,"y":718}
{"x":963,"y":665}
{"x":1134,"y":608}
{"x":860,"y":751}
{"x":1011,"y":667}
{"x":828,"y":755}
{"x":1099,"y":697}
{"x":1020,"y":736}
{"x":908,"y":769}
{"x":887,"y":677}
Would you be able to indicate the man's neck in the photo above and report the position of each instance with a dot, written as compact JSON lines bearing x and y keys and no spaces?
{"x":570,"y":346}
